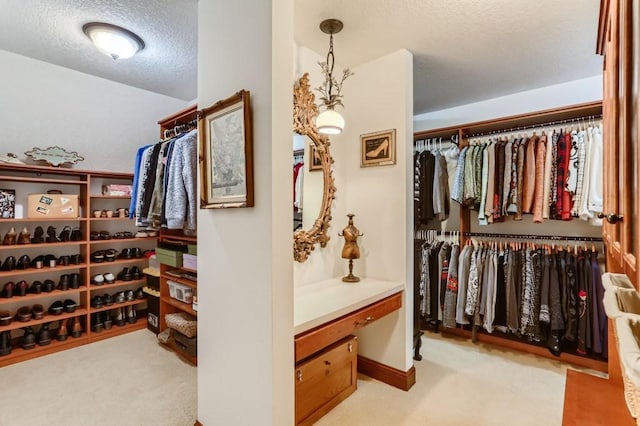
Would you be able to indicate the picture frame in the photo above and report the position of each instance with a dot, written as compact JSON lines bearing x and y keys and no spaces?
{"x":315,"y":159}
{"x":226,"y":160}
{"x":378,"y":148}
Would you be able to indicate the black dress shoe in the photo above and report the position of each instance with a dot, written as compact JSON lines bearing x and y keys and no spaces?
{"x":107,"y":299}
{"x":24,"y":314}
{"x":51,"y":235}
{"x":125,"y":275}
{"x":5,"y":318}
{"x":126,"y":254}
{"x":139,"y":293}
{"x":56,"y":308}
{"x":65,"y":234}
{"x":136,"y":252}
{"x":48,"y":286}
{"x":28,"y":339}
{"x":119,"y":297}
{"x":76,"y":259}
{"x":7,"y":290}
{"x":110,"y":255}
{"x":38,"y":235}
{"x":37,"y":312}
{"x":63,"y":260}
{"x":5,"y":343}
{"x":36,"y":287}
{"x":64,"y":282}
{"x":21,"y":288}
{"x":9,"y":264}
{"x":131,"y":315}
{"x":96,"y":323}
{"x":97,"y":302}
{"x":38,"y":262}
{"x":50,"y":261}
{"x":24,"y":262}
{"x":70,"y":306}
{"x":106,"y":320}
{"x":135,"y":273}
{"x":76,"y":234}
{"x":44,"y":336}
{"x":98,"y":256}
{"x":74,"y":280}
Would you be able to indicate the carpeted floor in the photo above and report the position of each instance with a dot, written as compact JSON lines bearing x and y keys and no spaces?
{"x":131,"y":380}
{"x":125,"y":380}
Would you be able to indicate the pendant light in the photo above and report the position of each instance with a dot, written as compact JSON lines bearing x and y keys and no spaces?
{"x":330,"y":121}
{"x":117,"y":42}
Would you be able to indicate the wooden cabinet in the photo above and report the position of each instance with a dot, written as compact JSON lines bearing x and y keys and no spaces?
{"x":325,"y":380}
{"x":87,"y":185}
{"x":183,"y":276}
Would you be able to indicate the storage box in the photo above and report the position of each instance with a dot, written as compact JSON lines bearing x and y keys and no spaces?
{"x":153,"y":313}
{"x":188,"y":345}
{"x":190,"y":261}
{"x":192,"y":249}
{"x":180,"y":292}
{"x":169,"y":257}
{"x":7,"y":203}
{"x":117,"y":190}
{"x":52,"y":206}
{"x":183,"y":323}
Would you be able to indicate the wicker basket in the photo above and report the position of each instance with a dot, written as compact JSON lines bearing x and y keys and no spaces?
{"x":625,"y":330}
{"x":183,"y":323}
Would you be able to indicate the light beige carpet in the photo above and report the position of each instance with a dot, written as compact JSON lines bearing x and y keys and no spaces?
{"x":125,"y":380}
{"x":461,"y":383}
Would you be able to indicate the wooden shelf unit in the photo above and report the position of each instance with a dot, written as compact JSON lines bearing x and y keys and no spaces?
{"x":87,"y":185}
{"x":539,"y":118}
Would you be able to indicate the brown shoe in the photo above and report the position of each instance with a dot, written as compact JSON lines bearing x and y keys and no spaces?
{"x":76,"y":328}
{"x":10,"y":237}
{"x":24,"y":237}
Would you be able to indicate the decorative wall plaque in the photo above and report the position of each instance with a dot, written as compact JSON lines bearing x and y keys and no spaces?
{"x":54,"y":156}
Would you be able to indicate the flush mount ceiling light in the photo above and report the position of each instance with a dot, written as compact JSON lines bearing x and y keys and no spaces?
{"x":117,"y":42}
{"x":330,"y":121}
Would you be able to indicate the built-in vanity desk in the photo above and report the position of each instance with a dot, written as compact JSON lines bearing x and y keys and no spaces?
{"x":325,"y":315}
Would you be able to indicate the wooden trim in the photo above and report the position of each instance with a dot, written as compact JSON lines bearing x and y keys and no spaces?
{"x":189,"y":113}
{"x":578,"y":360}
{"x":603,"y":21}
{"x":403,"y":380}
{"x":591,"y":400}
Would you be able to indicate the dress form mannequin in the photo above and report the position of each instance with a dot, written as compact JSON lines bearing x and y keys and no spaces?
{"x":350,"y":250}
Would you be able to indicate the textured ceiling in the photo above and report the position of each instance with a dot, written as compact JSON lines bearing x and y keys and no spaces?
{"x":51,"y":31}
{"x":464,"y":50}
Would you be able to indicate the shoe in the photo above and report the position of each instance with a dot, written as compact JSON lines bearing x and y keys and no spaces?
{"x":76,"y":234}
{"x":56,"y":308}
{"x":37,"y":312}
{"x":105,"y":235}
{"x":76,"y":259}
{"x":37,"y":262}
{"x":48,"y":286}
{"x":109,"y":278}
{"x":383,"y":147}
{"x":7,"y":290}
{"x":119,"y":317}
{"x":110,"y":255}
{"x":51,"y":235}
{"x":125,"y":275}
{"x":10,"y":237}
{"x":21,"y":288}
{"x":63,"y":260}
{"x":94,"y":235}
{"x":38,"y":235}
{"x":24,"y":314}
{"x":97,"y":279}
{"x":24,"y":262}
{"x":36,"y":287}
{"x":5,"y":343}
{"x":135,"y":273}
{"x":119,"y":297}
{"x":106,"y":320}
{"x":96,"y":323}
{"x":69,"y":306}
{"x":136,"y":252}
{"x":131,"y":315}
{"x":62,"y":333}
{"x":97,"y":256}
{"x":126,"y":254}
{"x":44,"y":336}
{"x":63,"y":285}
{"x":129,"y":296}
{"x":96,"y":302}
{"x":74,"y":281}
{"x":9,"y":264}
{"x":65,"y":234}
{"x":5,"y":318}
{"x":50,"y":261}
{"x":76,"y":327}
{"x":24,"y":237}
{"x":107,"y":299}
{"x":139,"y":293}
{"x":28,"y":339}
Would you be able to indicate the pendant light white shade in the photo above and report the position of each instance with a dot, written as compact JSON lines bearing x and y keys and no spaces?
{"x":117,"y":42}
{"x":330,"y":122}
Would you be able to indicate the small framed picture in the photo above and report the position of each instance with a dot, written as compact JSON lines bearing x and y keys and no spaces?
{"x":227,"y":153}
{"x":378,"y":149}
{"x":315,"y":160}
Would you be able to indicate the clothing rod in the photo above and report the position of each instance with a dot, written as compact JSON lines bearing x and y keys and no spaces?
{"x":298,"y":152}
{"x":533,"y":237}
{"x":537,"y":126}
{"x":453,"y":139}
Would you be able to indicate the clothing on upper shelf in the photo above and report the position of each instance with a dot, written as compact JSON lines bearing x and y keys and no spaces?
{"x":553,"y":175}
{"x":164,"y":183}
{"x":431,"y":184}
{"x":298,"y":182}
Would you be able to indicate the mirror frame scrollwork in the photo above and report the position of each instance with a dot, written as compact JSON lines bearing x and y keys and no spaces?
{"x":305,"y":112}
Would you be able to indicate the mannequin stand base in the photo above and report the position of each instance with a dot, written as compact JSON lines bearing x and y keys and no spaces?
{"x":350,"y":278}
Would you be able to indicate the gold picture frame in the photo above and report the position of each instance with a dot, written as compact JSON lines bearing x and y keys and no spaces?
{"x":378,"y":148}
{"x":226,"y":154}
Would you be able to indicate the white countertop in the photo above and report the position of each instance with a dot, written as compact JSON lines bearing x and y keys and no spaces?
{"x":317,"y":303}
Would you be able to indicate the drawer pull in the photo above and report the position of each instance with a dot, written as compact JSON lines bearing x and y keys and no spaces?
{"x":366,"y":321}
{"x":350,"y":347}
{"x":327,"y":363}
{"x":299,"y":375}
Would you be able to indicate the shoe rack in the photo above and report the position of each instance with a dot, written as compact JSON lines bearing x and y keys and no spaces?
{"x":58,"y":313}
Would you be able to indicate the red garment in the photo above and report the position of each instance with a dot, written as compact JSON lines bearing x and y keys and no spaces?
{"x":296,"y":170}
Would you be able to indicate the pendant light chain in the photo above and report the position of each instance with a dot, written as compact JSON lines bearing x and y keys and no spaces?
{"x":330,"y":64}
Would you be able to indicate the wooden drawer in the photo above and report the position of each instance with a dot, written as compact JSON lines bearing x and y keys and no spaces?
{"x":325,"y":380}
{"x":311,"y":341}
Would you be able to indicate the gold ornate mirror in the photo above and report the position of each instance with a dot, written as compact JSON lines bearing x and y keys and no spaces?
{"x":305,"y":111}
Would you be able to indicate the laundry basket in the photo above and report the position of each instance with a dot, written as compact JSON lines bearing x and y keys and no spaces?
{"x":622,"y":305}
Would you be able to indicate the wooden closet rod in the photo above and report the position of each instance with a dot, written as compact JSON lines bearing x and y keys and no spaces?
{"x":537,"y":126}
{"x":532,"y":237}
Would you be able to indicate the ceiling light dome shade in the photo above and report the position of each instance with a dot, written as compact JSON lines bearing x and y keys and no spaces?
{"x":117,"y":42}
{"x":330,"y":122}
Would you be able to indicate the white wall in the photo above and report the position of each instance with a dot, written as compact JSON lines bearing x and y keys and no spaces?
{"x":245,"y":345}
{"x":45,"y":105}
{"x":559,"y":95}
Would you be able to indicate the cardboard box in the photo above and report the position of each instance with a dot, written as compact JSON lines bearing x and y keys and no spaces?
{"x":190,"y":261}
{"x":116,"y":190}
{"x":169,"y":257}
{"x":52,"y":206}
